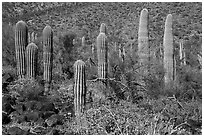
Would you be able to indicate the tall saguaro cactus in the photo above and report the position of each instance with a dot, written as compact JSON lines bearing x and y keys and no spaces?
{"x":79,"y":87}
{"x":102,"y":53}
{"x":47,"y":55}
{"x":143,"y":42}
{"x":21,"y":41}
{"x":168,"y":51}
{"x":31,"y":60}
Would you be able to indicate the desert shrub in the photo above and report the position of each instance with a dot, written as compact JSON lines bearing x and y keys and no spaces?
{"x":69,"y":51}
{"x":191,"y":81}
{"x":154,"y":82}
{"x":8,"y":71}
{"x":8,"y":76}
{"x":8,"y":45}
{"x":26,"y":90}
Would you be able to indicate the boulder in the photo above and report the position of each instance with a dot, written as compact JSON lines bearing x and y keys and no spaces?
{"x":17,"y":131}
{"x":55,"y":120}
{"x":32,"y":116}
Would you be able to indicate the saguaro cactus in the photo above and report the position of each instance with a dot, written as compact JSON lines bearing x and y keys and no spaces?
{"x":83,"y":41}
{"x":168,"y":51}
{"x":102,"y":53}
{"x":182,"y":53}
{"x":79,"y":87}
{"x":31,"y":60}
{"x":143,"y":42}
{"x":103,"y":28}
{"x":47,"y":55}
{"x":21,"y":41}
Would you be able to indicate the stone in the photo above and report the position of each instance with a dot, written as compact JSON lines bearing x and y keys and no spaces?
{"x":54,"y":120}
{"x":17,"y":131}
{"x":32,"y":116}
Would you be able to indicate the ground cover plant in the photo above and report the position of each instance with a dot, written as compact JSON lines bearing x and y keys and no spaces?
{"x":101,"y":68}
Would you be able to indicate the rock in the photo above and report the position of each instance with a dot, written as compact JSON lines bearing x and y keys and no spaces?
{"x":32,"y":116}
{"x":47,"y":114}
{"x":54,"y":120}
{"x":5,"y":118}
{"x":17,"y":131}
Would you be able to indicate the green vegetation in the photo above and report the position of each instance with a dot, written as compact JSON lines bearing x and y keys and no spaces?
{"x":130,"y":103}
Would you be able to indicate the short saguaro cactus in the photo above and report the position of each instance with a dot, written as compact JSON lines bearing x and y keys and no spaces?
{"x":79,"y":87}
{"x":31,"y":60}
{"x":47,"y":56}
{"x":102,"y":54}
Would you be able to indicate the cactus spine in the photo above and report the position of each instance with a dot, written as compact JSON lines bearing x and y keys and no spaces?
{"x":31,"y":61}
{"x":143,"y":42}
{"x":21,"y":41}
{"x":47,"y":55}
{"x":168,"y":51}
{"x":79,"y":87}
{"x":102,"y":53}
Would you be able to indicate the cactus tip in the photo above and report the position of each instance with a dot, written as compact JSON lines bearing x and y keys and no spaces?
{"x":79,"y":62}
{"x":21,"y":24}
{"x":32,"y":45}
{"x":144,"y":10}
{"x":47,"y":29}
{"x":103,"y":28}
{"x":169,"y":16}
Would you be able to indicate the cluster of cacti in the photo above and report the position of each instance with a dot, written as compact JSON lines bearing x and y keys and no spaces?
{"x":182,"y":55}
{"x":168,"y":51}
{"x":21,"y":41}
{"x":47,"y":56}
{"x":102,"y":53}
{"x":143,"y":42}
{"x":79,"y":87}
{"x":31,"y":60}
